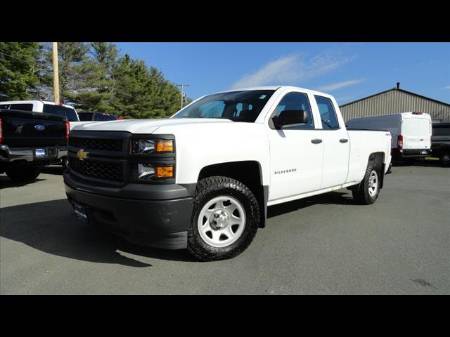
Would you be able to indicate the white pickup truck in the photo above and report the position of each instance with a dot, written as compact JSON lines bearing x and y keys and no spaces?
{"x":63,"y":110}
{"x":203,"y":178}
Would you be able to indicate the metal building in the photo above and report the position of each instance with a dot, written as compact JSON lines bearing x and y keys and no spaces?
{"x":394,"y":101}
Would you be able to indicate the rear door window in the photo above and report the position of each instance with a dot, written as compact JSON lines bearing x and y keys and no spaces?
{"x":327,"y":113}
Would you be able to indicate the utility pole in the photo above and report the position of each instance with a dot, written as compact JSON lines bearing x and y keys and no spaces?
{"x":55,"y":74}
{"x":182,"y":93}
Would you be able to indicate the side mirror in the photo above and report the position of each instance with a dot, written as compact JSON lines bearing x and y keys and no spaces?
{"x":290,"y":117}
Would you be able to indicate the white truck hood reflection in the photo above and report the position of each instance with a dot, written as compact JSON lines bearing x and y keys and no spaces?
{"x":143,"y":125}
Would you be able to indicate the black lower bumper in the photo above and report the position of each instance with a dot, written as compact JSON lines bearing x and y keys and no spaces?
{"x":411,"y":153}
{"x":50,"y":154}
{"x":158,"y":217}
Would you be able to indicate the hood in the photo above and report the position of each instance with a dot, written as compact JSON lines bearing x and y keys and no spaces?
{"x":144,"y":125}
{"x":76,"y":123}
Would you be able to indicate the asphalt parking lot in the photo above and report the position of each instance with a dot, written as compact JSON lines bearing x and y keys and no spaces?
{"x":320,"y":245}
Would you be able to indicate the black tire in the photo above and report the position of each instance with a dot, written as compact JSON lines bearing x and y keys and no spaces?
{"x":445,"y":159}
{"x":361,"y":193}
{"x":23,"y":173}
{"x":210,"y":188}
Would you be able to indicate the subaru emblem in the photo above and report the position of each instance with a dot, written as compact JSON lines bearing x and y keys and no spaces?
{"x":39,"y":127}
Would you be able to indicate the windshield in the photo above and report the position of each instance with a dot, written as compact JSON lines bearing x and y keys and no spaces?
{"x":238,"y":106}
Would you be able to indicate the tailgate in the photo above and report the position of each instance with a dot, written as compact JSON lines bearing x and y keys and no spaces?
{"x":32,"y":129}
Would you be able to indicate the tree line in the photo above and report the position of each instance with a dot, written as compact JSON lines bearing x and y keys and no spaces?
{"x":93,"y":77}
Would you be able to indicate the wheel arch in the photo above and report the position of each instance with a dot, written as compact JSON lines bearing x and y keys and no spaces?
{"x":247,"y":172}
{"x":378,"y":159}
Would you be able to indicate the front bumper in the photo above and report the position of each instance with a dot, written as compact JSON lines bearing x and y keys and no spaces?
{"x":150,"y":215}
{"x":53,"y":154}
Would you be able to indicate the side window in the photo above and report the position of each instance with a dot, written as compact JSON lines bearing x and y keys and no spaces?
{"x":85,"y":116}
{"x":327,"y":113}
{"x":23,"y":107}
{"x":292,"y":103}
{"x":62,"y":111}
{"x":441,"y":130}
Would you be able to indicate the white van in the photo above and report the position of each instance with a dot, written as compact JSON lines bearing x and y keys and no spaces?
{"x":411,"y":132}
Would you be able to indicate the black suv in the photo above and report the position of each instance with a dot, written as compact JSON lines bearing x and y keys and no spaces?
{"x":96,"y":116}
{"x":440,"y":142}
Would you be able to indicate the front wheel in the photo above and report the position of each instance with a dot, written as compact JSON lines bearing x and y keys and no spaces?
{"x":367,"y":191}
{"x":225,"y":219}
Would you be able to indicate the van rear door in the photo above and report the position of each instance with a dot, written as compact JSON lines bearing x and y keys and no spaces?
{"x":416,"y":133}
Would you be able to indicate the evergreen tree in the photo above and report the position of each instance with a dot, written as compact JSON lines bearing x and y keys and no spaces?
{"x":72,"y":72}
{"x":18,"y":70}
{"x":92,"y":77}
{"x":141,"y":92}
{"x":98,"y":88}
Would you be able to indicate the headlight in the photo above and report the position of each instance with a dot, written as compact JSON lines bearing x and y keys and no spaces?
{"x":150,"y":172}
{"x":145,"y":171}
{"x":142,"y":146}
{"x":148,"y":146}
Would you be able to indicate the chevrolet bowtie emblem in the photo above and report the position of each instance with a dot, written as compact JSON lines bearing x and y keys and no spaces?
{"x":82,"y":155}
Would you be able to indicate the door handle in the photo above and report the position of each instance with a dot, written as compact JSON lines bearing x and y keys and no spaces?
{"x":343,"y":140}
{"x":316,"y":141}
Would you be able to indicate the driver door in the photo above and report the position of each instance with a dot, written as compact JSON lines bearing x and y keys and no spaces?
{"x":296,"y":151}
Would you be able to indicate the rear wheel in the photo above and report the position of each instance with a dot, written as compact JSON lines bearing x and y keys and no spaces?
{"x":23,"y":173}
{"x":224,"y":221}
{"x":367,"y":191}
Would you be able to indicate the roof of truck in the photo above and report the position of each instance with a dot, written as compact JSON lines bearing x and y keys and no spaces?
{"x":35,"y":101}
{"x":276,"y":87}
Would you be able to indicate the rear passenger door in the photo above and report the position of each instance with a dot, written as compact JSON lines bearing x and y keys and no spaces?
{"x":336,"y":143}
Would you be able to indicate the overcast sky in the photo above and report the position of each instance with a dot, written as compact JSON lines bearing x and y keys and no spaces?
{"x":347,"y":70}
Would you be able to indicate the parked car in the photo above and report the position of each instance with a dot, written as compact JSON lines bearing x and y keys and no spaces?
{"x":96,"y":116}
{"x":440,"y":142}
{"x":203,"y":179}
{"x":411,"y":132}
{"x":30,"y":140}
{"x":64,"y":110}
